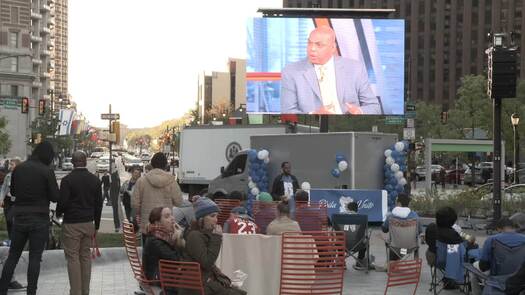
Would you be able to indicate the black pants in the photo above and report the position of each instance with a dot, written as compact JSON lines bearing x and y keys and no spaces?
{"x":35,"y":229}
{"x":126,"y":201}
{"x":115,"y":204}
{"x":106,"y":196}
{"x":8,"y":220}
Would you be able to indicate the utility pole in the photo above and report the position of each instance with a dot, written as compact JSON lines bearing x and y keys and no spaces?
{"x":110,"y":143}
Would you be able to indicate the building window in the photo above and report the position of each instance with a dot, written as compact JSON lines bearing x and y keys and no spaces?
{"x":14,"y":15}
{"x":13,"y":39}
{"x":14,"y":90}
{"x":14,"y":64}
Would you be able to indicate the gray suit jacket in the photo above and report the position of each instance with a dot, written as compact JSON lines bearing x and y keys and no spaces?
{"x":300,"y":92}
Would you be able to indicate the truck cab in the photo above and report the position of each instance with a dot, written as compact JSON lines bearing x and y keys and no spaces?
{"x":234,"y":177}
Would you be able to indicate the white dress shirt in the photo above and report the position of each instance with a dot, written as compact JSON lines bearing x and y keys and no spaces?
{"x":327,"y":85}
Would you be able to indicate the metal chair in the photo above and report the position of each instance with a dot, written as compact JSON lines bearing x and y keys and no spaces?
{"x":402,"y":238}
{"x":264,"y":213}
{"x":404,"y":272}
{"x":312,"y":262}
{"x":180,"y":275}
{"x":449,"y":267}
{"x":505,"y":262}
{"x":311,"y":216}
{"x":225,"y":207}
{"x":355,"y":227}
{"x":130,"y":244}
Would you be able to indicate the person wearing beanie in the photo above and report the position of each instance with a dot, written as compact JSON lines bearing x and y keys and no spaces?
{"x":184,"y":214}
{"x":283,"y":222}
{"x":156,"y":188}
{"x":34,"y":185}
{"x":203,"y":244}
{"x":240,"y":222}
{"x":264,"y":197}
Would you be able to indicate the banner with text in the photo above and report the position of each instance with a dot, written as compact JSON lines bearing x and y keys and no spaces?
{"x":370,"y":202}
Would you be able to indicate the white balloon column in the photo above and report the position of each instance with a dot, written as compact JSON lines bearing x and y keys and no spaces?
{"x":394,"y":171}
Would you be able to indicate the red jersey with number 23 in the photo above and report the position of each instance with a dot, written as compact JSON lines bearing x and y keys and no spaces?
{"x":242,"y":226}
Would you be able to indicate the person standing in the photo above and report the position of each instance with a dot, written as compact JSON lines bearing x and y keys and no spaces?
{"x":7,"y":201}
{"x":105,"y":185}
{"x":157,"y":188}
{"x":285,"y":184}
{"x":127,"y":190}
{"x":81,"y":204}
{"x":34,"y":185}
{"x":114,"y":193}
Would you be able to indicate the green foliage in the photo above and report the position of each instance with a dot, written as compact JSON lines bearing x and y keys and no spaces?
{"x":5,"y":142}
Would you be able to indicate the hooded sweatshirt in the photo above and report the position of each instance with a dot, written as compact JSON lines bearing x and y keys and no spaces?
{"x":157,"y":188}
{"x":401,"y":213}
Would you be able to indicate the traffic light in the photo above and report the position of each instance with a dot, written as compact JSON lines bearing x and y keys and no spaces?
{"x":116,"y":130}
{"x":41,"y":106}
{"x":25,"y":105}
{"x":444,"y":117}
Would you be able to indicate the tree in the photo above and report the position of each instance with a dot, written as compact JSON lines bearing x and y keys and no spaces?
{"x":5,"y":142}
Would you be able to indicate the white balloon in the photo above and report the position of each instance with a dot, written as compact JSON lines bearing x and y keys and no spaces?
{"x":399,"y":175}
{"x":343,"y":165}
{"x":249,"y":178}
{"x":305,"y":186}
{"x":394,"y":167}
{"x":388,"y":152}
{"x":390,"y":160}
{"x":255,"y":191}
{"x":251,"y":184}
{"x":400,"y":146}
{"x":262,"y":154}
{"x":402,"y":181}
{"x":266,"y":160}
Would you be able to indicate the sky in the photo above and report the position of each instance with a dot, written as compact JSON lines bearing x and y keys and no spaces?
{"x":144,"y":57}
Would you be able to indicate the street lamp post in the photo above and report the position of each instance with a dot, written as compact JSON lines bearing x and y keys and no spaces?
{"x":515,"y":119}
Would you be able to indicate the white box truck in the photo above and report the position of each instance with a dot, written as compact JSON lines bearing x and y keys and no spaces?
{"x":204,"y":149}
{"x":312,"y":157}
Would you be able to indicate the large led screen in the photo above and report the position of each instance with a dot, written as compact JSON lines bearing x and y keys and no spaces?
{"x":325,"y":66}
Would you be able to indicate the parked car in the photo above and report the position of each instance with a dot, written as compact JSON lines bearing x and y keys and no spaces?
{"x":103,"y":164}
{"x":96,"y":155}
{"x":455,"y":176}
{"x":67,"y":165}
{"x":467,"y":179}
{"x":130,"y":162}
{"x":145,"y":157}
{"x":421,"y":172}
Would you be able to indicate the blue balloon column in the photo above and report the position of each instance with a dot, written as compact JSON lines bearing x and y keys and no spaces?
{"x":394,"y":171}
{"x":258,"y":171}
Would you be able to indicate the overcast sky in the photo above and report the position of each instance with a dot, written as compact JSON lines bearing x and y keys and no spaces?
{"x":144,"y":57}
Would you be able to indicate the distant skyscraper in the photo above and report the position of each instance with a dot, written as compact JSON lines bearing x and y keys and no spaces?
{"x":60,"y":48}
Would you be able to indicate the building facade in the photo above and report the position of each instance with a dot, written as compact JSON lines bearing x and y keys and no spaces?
{"x":444,"y":39}
{"x":25,"y":66}
{"x":60,"y":31}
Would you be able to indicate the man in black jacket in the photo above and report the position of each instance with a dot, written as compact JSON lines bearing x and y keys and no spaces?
{"x":105,"y":185}
{"x":34,"y":185}
{"x":81,"y":204}
{"x":285,"y":183}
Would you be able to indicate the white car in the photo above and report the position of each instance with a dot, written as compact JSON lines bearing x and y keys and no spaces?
{"x":96,"y":155}
{"x":103,"y":164}
{"x":67,"y":165}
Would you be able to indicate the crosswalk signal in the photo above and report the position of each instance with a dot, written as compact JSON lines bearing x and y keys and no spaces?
{"x":25,"y":105}
{"x":41,"y":107}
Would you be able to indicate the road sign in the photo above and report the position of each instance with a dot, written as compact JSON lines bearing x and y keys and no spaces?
{"x":410,"y":114}
{"x":410,"y":123}
{"x":110,"y":116}
{"x":410,"y":107}
{"x":409,"y":133}
{"x":394,"y":120}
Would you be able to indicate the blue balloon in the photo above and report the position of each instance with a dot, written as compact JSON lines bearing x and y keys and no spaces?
{"x":395,"y":154}
{"x":339,"y":158}
{"x":399,"y":188}
{"x":255,"y":179}
{"x":336,"y":173}
{"x":252,"y":155}
{"x":389,"y":187}
{"x":403,"y":168}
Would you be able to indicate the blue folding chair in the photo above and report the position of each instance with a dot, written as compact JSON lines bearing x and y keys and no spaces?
{"x":505,"y":262}
{"x":355,"y":227}
{"x":448,"y":267}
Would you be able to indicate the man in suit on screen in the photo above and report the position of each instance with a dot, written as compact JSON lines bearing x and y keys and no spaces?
{"x":324,"y":83}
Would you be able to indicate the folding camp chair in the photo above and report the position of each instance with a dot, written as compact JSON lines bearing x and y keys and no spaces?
{"x":448,"y":267}
{"x":505,"y":262}
{"x":402,"y":238}
{"x":355,"y":227}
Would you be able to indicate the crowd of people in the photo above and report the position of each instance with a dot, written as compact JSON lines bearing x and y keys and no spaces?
{"x":173,"y":228}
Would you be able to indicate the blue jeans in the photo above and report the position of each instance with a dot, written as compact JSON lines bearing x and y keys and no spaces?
{"x":35,"y":229}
